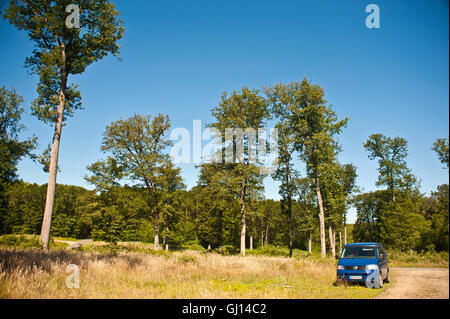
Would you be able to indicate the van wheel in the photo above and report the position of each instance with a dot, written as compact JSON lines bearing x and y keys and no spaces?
{"x":373,"y":283}
{"x":387,"y":277}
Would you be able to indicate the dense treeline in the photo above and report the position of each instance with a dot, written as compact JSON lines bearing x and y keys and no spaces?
{"x":227,"y":206}
{"x":193,"y":218}
{"x":190,"y":219}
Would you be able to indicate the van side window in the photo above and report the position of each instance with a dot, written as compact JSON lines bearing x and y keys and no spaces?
{"x":380,"y":252}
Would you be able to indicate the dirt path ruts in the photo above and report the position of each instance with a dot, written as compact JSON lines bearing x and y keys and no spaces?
{"x":73,"y":244}
{"x":417,"y":283}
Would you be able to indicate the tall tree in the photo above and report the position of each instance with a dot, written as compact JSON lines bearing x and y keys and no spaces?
{"x":349,"y":188}
{"x":441,"y":149}
{"x":438,"y":213}
{"x":287,"y":175}
{"x":239,"y":111}
{"x":12,"y":148}
{"x":391,"y":154}
{"x":137,"y":146}
{"x":170,"y":183}
{"x":307,"y":204}
{"x":369,"y":208}
{"x":303,"y":107}
{"x":334,"y":198}
{"x":61,"y":50}
{"x":217,"y":207}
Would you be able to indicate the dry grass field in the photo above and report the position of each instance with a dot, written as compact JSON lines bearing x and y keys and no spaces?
{"x":32,"y":273}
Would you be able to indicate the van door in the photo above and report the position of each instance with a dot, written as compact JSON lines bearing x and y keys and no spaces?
{"x":382,"y":261}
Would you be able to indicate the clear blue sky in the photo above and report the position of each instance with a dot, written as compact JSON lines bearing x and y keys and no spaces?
{"x":178,"y":56}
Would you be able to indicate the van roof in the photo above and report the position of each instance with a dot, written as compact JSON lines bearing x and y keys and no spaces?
{"x":363,"y":244}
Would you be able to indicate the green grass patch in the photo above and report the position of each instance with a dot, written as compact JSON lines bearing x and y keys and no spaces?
{"x":27,"y":241}
{"x":19,"y":241}
{"x":114,"y":249}
{"x":414,"y":259}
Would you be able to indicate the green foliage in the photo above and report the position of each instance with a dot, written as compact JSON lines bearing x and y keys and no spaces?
{"x":270,"y":250}
{"x":216,"y":208}
{"x":145,"y":232}
{"x":115,"y":249}
{"x":227,"y":250}
{"x":369,"y":207}
{"x":240,"y":111}
{"x":411,"y":222}
{"x":24,"y":206}
{"x":211,"y":213}
{"x":137,"y":146}
{"x":301,"y":105}
{"x":105,"y":174}
{"x":436,"y":209}
{"x":11,"y":148}
{"x":391,"y":154}
{"x":20,"y":242}
{"x":441,"y":149}
{"x":278,"y":251}
{"x":187,"y":259}
{"x":402,"y":224}
{"x":414,"y":259}
{"x":137,"y":152}
{"x":193,"y":245}
{"x":60,"y":51}
{"x":302,"y":108}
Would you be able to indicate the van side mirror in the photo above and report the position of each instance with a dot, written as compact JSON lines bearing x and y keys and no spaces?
{"x":337,"y":257}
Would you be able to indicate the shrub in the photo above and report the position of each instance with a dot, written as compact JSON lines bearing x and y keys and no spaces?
{"x":193,"y":245}
{"x":20,"y":241}
{"x":186,"y":259}
{"x":270,"y":250}
{"x":227,"y":250}
{"x":411,"y":258}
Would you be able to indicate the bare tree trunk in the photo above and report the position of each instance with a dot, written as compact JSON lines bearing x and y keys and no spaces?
{"x":291,"y":227}
{"x":330,"y":233}
{"x":262,"y":238}
{"x":53,"y":166}
{"x":334,"y":244}
{"x":196,"y":218}
{"x":345,"y":235}
{"x":243,"y":219}
{"x":321,"y":217}
{"x":157,"y":232}
{"x":267,"y":234}
{"x":291,"y":216}
{"x":340,"y":242}
{"x":251,"y":242}
{"x":309,"y":243}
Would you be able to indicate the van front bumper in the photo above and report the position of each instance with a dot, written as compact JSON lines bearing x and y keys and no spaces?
{"x":353,"y":275}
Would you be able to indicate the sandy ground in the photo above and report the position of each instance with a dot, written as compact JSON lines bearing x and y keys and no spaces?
{"x":417,"y":283}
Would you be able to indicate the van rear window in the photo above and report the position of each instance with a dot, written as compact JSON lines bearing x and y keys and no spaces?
{"x":359,"y":252}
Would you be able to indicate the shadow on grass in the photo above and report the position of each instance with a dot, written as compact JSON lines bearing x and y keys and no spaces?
{"x":346,"y":283}
{"x":32,"y":260}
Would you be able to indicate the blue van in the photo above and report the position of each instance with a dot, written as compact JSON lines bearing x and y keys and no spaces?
{"x":363,"y":263}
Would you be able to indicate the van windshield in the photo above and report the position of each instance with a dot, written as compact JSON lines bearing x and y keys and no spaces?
{"x":359,"y":252}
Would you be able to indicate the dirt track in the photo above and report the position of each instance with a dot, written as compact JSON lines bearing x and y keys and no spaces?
{"x":73,"y":244}
{"x":417,"y":283}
